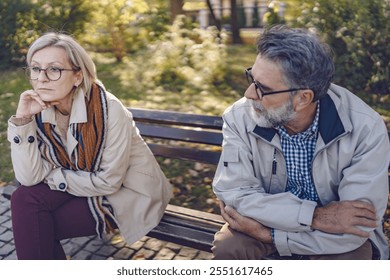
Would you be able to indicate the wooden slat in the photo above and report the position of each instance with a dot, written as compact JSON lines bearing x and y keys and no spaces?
{"x":176,"y":118}
{"x":207,"y":221}
{"x":182,"y":134}
{"x":188,"y":227}
{"x":184,"y":153}
{"x":183,"y":236}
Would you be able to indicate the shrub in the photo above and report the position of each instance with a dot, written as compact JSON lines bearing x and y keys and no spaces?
{"x":187,"y":59}
{"x":359,"y":32}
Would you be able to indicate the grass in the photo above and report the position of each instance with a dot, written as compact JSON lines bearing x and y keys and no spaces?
{"x":12,"y":83}
{"x":193,"y":191}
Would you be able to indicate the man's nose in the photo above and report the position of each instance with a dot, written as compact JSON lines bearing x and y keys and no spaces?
{"x":251,"y":93}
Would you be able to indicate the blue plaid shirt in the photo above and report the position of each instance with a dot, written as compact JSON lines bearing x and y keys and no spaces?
{"x":298,"y":151}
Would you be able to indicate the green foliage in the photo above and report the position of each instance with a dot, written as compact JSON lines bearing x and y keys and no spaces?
{"x":68,"y":16}
{"x":297,"y":8}
{"x":359,"y":32}
{"x":122,"y":28}
{"x":271,"y":17}
{"x":22,"y":21}
{"x":12,"y":82}
{"x":16,"y":17}
{"x":187,"y":55}
{"x":109,"y":29}
{"x":187,"y":59}
{"x":155,"y":22}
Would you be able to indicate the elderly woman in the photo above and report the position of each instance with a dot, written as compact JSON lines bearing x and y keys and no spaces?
{"x":83,"y":167}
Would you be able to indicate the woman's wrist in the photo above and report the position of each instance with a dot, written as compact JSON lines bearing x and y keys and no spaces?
{"x":22,"y":116}
{"x":19,"y":121}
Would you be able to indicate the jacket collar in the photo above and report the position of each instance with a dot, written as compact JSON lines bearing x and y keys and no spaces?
{"x":77,"y":115}
{"x":330,"y":123}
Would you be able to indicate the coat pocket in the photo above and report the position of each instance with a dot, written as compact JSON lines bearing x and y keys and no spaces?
{"x":230,"y":155}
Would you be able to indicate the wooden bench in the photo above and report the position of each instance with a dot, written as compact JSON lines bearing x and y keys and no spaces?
{"x":181,"y":225}
{"x":193,"y":135}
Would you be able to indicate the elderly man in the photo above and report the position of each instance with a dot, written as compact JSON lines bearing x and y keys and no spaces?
{"x":303,"y":171}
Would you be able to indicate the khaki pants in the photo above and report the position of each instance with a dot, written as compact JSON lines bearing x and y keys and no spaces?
{"x":233,"y":245}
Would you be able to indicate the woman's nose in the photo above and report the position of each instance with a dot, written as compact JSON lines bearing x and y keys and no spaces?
{"x":42,"y":76}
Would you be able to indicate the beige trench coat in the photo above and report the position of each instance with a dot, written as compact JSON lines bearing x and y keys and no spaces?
{"x":129,"y":175}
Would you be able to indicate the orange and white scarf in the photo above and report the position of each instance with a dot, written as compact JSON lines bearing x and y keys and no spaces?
{"x":88,"y":153}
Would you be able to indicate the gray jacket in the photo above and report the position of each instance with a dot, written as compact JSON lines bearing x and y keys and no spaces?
{"x":350,"y":163}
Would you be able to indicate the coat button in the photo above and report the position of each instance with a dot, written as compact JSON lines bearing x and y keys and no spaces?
{"x":31,"y":139}
{"x":62,"y":186}
{"x":17,"y":139}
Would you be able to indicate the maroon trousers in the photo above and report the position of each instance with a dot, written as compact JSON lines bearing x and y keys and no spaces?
{"x":41,"y":217}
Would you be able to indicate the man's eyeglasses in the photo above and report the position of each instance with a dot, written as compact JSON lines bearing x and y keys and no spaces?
{"x":53,"y":73}
{"x":259,"y":87}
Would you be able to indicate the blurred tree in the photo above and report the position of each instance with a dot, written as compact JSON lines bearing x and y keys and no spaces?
{"x":122,"y":26}
{"x":68,"y":16}
{"x":22,"y":21}
{"x":271,"y":17}
{"x":155,"y":22}
{"x":187,"y":59}
{"x":234,"y":21}
{"x":297,"y":8}
{"x":216,"y":21}
{"x":255,"y":19}
{"x":359,"y":33}
{"x":17,"y":24}
{"x":176,"y":8}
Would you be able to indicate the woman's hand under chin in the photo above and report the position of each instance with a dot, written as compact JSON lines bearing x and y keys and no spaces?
{"x":30,"y":103}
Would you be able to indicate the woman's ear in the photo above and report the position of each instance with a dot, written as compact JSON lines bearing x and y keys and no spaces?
{"x":79,"y":79}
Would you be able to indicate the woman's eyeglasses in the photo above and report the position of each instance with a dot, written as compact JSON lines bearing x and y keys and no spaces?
{"x":53,"y":73}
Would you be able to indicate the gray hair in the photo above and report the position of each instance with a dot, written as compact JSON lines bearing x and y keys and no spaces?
{"x":78,"y":57}
{"x":305,"y":61}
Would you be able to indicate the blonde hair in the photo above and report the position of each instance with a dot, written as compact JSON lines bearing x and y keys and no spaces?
{"x":78,"y":57}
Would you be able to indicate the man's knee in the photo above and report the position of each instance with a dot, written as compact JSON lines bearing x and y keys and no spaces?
{"x":230,"y":244}
{"x":222,"y":244}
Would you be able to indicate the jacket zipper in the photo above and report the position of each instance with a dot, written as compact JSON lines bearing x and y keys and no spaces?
{"x":274,"y":163}
{"x":274,"y":168}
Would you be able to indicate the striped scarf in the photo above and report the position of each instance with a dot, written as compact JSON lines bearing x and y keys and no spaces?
{"x":88,"y":153}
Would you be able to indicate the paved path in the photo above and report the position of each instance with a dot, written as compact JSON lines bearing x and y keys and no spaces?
{"x":85,"y":248}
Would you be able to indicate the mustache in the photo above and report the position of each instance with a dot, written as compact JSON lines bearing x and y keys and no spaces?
{"x":257,"y":106}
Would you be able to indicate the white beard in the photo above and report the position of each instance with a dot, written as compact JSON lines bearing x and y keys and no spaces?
{"x":272,"y":117}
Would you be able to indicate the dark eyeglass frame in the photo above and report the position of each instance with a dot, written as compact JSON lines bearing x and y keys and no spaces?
{"x":258,"y":86}
{"x":28,"y":70}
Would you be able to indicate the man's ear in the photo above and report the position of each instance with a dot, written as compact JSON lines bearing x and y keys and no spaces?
{"x":304,"y":98}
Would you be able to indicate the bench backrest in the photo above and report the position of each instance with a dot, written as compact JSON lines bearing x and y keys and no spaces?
{"x":201,"y":130}
{"x":193,"y":128}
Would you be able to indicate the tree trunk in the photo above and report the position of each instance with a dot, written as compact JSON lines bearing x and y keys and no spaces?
{"x":217,"y":22}
{"x":176,"y":8}
{"x":236,"y":39}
